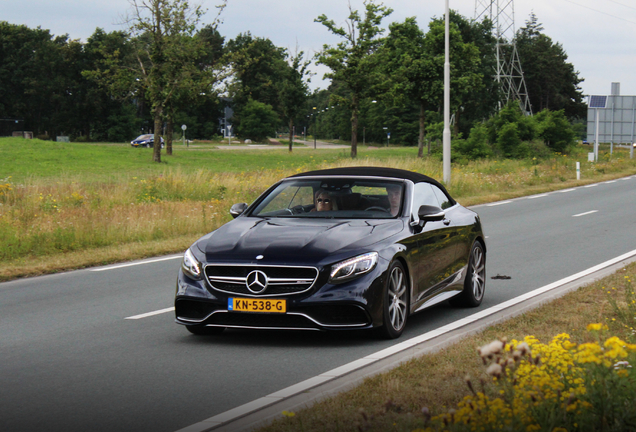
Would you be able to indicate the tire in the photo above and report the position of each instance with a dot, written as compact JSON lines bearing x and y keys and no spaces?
{"x":204,"y":331}
{"x":395,"y":304}
{"x":475,"y":281}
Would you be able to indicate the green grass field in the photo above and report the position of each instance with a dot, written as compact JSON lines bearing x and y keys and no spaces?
{"x":23,"y":159}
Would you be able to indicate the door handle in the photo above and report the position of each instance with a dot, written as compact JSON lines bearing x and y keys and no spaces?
{"x":446,"y":222}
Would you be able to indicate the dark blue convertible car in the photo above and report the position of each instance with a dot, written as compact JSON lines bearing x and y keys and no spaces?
{"x":343,"y":248}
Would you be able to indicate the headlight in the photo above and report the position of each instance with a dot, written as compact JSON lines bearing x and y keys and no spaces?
{"x":191,"y":266}
{"x":353,"y":267}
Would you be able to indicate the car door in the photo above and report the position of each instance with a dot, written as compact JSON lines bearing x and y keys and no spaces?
{"x":436,"y":245}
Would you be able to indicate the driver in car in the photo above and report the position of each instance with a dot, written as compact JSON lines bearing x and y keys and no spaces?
{"x":394,"y":193}
{"x":323,"y":201}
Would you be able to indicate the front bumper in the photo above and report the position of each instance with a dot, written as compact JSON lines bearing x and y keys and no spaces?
{"x":352,"y":305}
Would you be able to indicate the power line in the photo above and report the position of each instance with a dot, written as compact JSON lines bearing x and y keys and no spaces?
{"x":601,"y":12}
{"x":624,"y":5}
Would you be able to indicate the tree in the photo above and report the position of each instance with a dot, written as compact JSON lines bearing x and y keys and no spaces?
{"x":466,"y":78}
{"x":293,"y":91}
{"x":258,"y":66}
{"x":551,"y":80}
{"x":165,"y":53}
{"x":352,"y":61}
{"x":555,"y":130}
{"x":258,"y":120}
{"x":34,"y":80}
{"x":107,"y":116}
{"x":407,"y":65}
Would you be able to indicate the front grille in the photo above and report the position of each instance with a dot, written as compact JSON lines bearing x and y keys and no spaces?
{"x":261,"y":320}
{"x":281,"y":280}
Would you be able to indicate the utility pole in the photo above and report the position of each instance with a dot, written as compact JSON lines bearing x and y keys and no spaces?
{"x":509,"y":74}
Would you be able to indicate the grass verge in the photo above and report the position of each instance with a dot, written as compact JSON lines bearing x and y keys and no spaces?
{"x":393,"y":401}
{"x":63,"y":204}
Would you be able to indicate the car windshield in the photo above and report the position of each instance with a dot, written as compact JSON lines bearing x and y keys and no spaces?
{"x":143,"y":137}
{"x":341,"y":198}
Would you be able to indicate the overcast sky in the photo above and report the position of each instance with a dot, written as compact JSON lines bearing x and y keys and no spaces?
{"x":598,"y":36}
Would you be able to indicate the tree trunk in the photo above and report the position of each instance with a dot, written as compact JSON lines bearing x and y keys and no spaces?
{"x":291,"y":134}
{"x":156,"y":154}
{"x":169,"y":134}
{"x":456,"y":125}
{"x":354,"y":127}
{"x":420,"y":141}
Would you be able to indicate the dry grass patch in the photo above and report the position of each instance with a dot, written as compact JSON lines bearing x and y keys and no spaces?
{"x":44,"y":218}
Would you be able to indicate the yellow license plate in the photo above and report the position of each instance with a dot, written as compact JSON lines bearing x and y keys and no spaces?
{"x":256,"y":305}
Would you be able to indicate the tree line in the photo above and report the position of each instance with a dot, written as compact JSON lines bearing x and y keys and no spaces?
{"x":166,"y":68}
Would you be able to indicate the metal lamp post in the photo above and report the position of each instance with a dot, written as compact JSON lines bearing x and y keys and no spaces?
{"x":315,"y":126}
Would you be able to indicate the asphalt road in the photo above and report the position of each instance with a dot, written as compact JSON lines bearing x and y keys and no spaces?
{"x":71,"y":361}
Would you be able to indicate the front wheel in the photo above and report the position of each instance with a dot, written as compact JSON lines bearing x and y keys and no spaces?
{"x":475,"y":282}
{"x":395,"y":303}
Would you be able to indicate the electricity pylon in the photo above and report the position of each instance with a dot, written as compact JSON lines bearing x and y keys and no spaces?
{"x":509,"y":74}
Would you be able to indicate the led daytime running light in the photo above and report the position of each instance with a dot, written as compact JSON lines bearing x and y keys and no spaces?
{"x":354,"y":266}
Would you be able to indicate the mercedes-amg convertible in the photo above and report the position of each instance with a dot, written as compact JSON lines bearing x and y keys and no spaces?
{"x":342,"y":248}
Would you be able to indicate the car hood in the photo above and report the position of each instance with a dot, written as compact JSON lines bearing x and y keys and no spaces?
{"x":295,"y":240}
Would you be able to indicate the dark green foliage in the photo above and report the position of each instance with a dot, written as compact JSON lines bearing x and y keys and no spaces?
{"x":258,"y":121}
{"x":552,"y":81}
{"x":258,"y":66}
{"x":476,"y":146}
{"x":508,"y":139}
{"x":353,"y":62}
{"x":555,"y":130}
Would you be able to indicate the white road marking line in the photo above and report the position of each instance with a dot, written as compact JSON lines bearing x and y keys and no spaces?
{"x":586,"y":213}
{"x":591,"y":185}
{"x":565,"y":190}
{"x":303,"y":386}
{"x":611,"y":181}
{"x":136,"y":263}
{"x":149,"y":314}
{"x":499,"y":203}
{"x":538,"y":196}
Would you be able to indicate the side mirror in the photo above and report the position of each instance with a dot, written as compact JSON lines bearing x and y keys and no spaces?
{"x":238,"y":209}
{"x":428,"y":213}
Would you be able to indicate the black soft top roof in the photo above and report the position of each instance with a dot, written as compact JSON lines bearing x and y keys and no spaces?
{"x":375,"y":172}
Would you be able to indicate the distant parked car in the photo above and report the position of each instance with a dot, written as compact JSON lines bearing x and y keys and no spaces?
{"x":147,"y":140}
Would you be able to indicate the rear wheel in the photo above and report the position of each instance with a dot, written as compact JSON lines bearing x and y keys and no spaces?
{"x":395,"y":304}
{"x":475,"y":282}
{"x":203,"y":330}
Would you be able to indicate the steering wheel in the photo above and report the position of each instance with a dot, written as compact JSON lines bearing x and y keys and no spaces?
{"x":374,"y":208}
{"x":296,"y":209}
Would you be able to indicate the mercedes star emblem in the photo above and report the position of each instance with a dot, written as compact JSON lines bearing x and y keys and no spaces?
{"x":256,"y":281}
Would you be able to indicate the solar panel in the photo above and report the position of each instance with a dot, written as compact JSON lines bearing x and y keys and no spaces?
{"x":598,"y":102}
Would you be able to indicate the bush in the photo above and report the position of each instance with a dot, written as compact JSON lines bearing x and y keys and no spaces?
{"x":476,"y":146}
{"x":508,"y":139}
{"x":257,"y":121}
{"x":555,"y":130}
